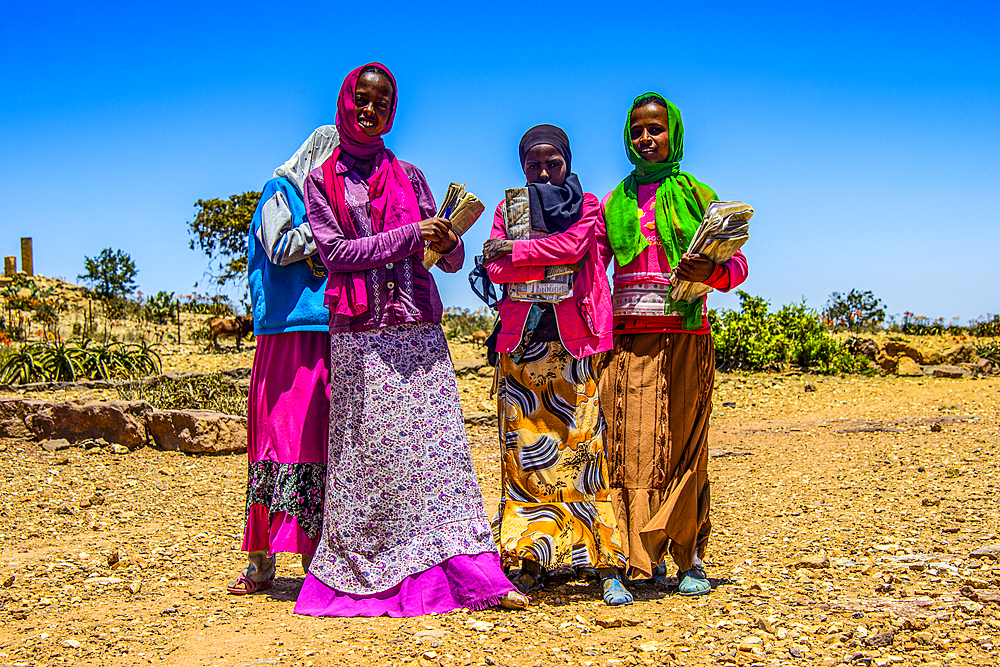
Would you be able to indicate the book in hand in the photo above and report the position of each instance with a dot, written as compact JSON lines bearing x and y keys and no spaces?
{"x":723,"y":231}
{"x":558,"y":282}
{"x":462,"y":209}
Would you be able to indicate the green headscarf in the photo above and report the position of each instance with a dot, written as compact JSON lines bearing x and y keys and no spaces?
{"x":681,"y":201}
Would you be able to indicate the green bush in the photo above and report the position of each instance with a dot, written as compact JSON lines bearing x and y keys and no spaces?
{"x":161,"y":308}
{"x":461,"y":322}
{"x":754,"y":339}
{"x":987,"y":327}
{"x":111,"y":274}
{"x":23,"y":295}
{"x":989,"y":351}
{"x":214,"y":392}
{"x":218,"y":305}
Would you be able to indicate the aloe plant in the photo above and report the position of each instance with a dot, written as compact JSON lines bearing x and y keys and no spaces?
{"x":61,"y":362}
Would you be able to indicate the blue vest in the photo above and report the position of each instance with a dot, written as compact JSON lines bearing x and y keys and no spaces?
{"x":284,"y":298}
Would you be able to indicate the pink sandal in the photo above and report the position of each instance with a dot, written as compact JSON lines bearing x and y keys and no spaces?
{"x":246,"y":586}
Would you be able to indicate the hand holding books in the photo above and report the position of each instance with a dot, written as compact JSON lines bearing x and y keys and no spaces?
{"x":723,"y":231}
{"x":460,"y":209}
{"x":435,"y":230}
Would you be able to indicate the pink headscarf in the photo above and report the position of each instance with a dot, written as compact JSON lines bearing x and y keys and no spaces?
{"x":392,"y":201}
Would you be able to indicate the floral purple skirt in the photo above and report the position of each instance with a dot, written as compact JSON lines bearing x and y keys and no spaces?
{"x":287,"y":413}
{"x":404,"y":529}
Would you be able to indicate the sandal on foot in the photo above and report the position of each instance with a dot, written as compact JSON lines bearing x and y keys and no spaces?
{"x":659,"y":573}
{"x":514,"y":600}
{"x":615,"y":593}
{"x":693,"y":582}
{"x":246,"y":586}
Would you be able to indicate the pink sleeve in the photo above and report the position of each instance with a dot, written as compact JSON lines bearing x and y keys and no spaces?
{"x":729,"y":275}
{"x":564,"y":248}
{"x":503,"y":269}
{"x":601,"y":233}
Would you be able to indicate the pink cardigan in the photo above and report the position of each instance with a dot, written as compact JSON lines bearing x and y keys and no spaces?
{"x":584,"y":319}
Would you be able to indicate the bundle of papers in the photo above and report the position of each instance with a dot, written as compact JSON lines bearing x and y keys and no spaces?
{"x":723,"y":231}
{"x":558,"y":281}
{"x":462,"y":209}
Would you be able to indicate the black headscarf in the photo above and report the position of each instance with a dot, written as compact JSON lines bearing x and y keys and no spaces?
{"x":553,"y":207}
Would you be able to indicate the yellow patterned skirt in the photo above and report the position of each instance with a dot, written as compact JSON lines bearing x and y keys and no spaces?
{"x":554,"y":505}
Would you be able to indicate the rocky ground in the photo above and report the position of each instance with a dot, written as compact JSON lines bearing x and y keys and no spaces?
{"x":845,"y":512}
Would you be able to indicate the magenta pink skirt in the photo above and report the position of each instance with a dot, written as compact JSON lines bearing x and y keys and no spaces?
{"x":288,"y":412}
{"x":473,"y":582}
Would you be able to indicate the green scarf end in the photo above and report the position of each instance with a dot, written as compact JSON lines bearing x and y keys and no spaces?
{"x":690,"y":313}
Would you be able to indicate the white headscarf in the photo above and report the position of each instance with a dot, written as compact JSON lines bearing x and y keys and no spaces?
{"x":314,"y":152}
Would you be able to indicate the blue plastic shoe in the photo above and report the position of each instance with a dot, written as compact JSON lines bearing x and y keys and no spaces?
{"x":615,"y":593}
{"x":659,"y":573}
{"x":694,"y":582}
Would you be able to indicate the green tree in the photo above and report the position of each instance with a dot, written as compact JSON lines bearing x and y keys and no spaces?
{"x":111,"y":274}
{"x":220,"y":229}
{"x":855,"y":310}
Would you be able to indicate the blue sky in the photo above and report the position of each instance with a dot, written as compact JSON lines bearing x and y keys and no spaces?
{"x":864,"y":134}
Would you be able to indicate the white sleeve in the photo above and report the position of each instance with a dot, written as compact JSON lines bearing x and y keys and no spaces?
{"x":283,"y":242}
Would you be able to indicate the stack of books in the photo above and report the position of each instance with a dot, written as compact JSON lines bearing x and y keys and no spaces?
{"x":723,"y":231}
{"x":462,"y":209}
{"x":558,"y":282}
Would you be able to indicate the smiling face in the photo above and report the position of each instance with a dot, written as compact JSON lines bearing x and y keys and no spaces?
{"x":373,"y":98}
{"x":544,"y":164}
{"x":648,"y":132}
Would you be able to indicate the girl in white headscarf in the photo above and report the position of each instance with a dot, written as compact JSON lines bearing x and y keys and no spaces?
{"x":289,"y":400}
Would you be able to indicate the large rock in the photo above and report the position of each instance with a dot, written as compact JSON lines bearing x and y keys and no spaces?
{"x":481,"y":419}
{"x":963,"y":353}
{"x":921,"y":355}
{"x":886,"y":363}
{"x":947,"y":371}
{"x":988,"y":551}
{"x":981,"y":367}
{"x":907,"y":367}
{"x":198,"y":431}
{"x":464,"y":367}
{"x":863,"y":347}
{"x":122,"y":422}
{"x":14,"y":412}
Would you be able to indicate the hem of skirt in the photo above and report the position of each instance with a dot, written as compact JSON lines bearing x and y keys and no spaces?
{"x":282,"y":533}
{"x":409,"y":597}
{"x":488,"y":603}
{"x":560,"y":565}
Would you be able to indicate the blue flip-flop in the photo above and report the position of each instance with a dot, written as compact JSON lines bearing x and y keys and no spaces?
{"x":693,"y":582}
{"x":615,"y":593}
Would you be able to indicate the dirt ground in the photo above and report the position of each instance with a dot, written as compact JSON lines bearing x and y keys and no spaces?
{"x":844,"y":512}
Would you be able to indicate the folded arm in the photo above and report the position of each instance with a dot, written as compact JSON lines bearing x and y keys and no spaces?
{"x":567,"y":247}
{"x":503,"y":270}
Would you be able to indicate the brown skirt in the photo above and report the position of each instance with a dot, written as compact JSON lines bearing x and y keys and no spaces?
{"x":656,"y":394}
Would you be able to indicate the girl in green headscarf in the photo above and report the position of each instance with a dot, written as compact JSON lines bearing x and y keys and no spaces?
{"x":656,"y":392}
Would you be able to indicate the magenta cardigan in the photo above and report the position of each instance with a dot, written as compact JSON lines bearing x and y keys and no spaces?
{"x":584,"y":319}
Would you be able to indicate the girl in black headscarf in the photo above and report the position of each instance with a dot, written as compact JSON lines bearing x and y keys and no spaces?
{"x":554,"y":509}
